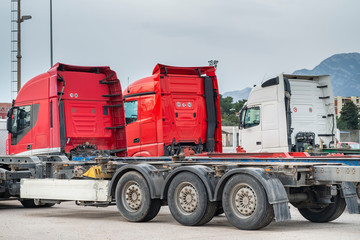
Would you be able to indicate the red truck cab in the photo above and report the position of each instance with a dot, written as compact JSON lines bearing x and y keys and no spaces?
{"x":69,"y":109}
{"x":176,"y":108}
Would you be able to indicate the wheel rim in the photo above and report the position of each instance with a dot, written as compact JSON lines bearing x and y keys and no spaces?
{"x":187,"y":198}
{"x":132,"y":196}
{"x":243,"y":200}
{"x":37,"y":202}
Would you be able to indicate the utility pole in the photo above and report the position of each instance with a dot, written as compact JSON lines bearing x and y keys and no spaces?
{"x":17,"y":29}
{"x":18,"y":56}
{"x":51,"y":36}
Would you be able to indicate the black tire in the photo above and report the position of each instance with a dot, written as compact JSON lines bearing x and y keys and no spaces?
{"x":47,"y":205}
{"x":140,"y":208}
{"x":219,"y":209}
{"x":253,"y":210}
{"x":357,"y":187}
{"x":188,"y":200}
{"x":325,"y":214}
{"x":31,"y":203}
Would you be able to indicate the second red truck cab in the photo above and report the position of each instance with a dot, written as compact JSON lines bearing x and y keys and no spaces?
{"x":175,"y":109}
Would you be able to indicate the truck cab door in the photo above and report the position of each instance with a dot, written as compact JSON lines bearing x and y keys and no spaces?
{"x":132,"y":118}
{"x":250,"y":133}
{"x":148,"y":125}
{"x":20,"y":124}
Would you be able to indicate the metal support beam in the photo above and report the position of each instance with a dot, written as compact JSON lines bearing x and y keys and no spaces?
{"x":337,"y":173}
{"x":65,"y":189}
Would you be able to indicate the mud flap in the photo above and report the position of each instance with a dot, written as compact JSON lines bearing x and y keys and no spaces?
{"x":277,"y":198}
{"x":351,"y":197}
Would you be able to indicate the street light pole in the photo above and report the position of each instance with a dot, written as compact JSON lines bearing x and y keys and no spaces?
{"x":51,"y":36}
{"x":20,"y":19}
{"x":18,"y":56}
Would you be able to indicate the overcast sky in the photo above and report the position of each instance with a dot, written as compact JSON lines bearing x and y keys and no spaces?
{"x":252,"y":39}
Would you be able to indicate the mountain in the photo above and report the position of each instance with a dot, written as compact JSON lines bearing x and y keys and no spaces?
{"x":238,"y":94}
{"x":344,"y":70}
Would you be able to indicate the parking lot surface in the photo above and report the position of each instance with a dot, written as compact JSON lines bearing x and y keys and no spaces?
{"x":68,"y":221}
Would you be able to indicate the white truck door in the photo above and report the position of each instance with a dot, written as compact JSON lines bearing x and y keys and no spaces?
{"x":270,"y":126}
{"x":251,"y":132}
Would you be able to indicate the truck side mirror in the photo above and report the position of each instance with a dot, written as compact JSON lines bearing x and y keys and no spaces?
{"x":9,"y":119}
{"x":10,"y":112}
{"x":12,"y":126}
{"x":241,"y":117}
{"x":8,"y":125}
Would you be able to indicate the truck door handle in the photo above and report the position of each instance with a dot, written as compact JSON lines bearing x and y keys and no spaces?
{"x":136,"y":140}
{"x":258,"y":143}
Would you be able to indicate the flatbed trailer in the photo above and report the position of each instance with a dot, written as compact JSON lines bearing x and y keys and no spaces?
{"x":250,"y":191}
{"x":351,"y":160}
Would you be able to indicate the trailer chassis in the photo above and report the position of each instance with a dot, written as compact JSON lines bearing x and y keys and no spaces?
{"x":251,"y":192}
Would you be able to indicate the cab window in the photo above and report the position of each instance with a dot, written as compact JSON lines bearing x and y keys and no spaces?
{"x":252,"y":117}
{"x":21,"y":119}
{"x":131,"y":111}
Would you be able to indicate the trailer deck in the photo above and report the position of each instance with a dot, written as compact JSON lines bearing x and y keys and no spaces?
{"x":250,"y":190}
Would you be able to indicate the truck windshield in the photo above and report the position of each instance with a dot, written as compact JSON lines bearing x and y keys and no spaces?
{"x":131,"y":111}
{"x":252,"y":117}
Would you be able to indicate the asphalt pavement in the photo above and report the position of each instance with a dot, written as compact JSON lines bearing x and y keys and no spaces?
{"x":68,"y":221}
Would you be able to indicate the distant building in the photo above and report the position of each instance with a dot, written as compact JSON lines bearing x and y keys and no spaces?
{"x":4,"y":108}
{"x":340,"y":101}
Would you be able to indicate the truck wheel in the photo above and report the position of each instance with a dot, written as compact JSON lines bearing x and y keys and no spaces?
{"x":46,"y":205}
{"x":325,"y":214}
{"x":133,"y":198}
{"x":245,"y":203}
{"x":357,"y":187}
{"x":34,"y":203}
{"x":188,"y":200}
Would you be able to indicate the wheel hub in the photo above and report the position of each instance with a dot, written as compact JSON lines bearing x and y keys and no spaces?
{"x":188,"y":198}
{"x":37,"y":202}
{"x":245,"y":201}
{"x":133,"y":196}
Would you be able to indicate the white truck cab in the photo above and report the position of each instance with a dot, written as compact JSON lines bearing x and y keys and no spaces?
{"x":288,"y":113}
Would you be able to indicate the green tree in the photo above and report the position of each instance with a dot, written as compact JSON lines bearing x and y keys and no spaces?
{"x":226,"y":105}
{"x":349,"y":119}
{"x":230,"y":111}
{"x":239,"y":104}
